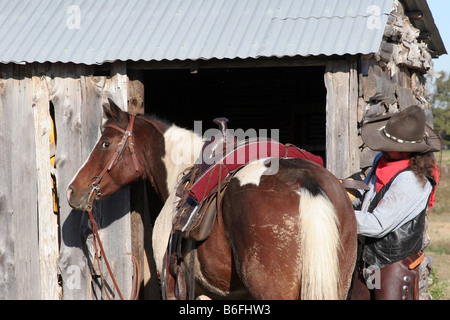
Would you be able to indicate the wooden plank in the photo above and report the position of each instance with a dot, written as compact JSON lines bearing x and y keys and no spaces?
{"x":378,"y":85}
{"x":114,"y":218}
{"x":342,"y":157}
{"x":23,"y":184}
{"x":8,"y":286}
{"x":91,"y":119}
{"x":48,"y":224}
{"x":405,"y":97}
{"x":353,"y":112}
{"x":141,"y":228}
{"x":138,"y":207}
{"x":65,"y":94}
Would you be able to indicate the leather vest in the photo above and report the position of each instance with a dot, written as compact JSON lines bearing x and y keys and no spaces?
{"x":400,"y":243}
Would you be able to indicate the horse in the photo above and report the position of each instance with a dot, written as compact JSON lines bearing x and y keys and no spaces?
{"x":289,"y":235}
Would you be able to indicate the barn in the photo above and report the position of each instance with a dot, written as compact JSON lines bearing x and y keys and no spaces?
{"x":312,"y":69}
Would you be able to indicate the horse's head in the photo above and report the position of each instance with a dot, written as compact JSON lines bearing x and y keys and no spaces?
{"x":112,"y":163}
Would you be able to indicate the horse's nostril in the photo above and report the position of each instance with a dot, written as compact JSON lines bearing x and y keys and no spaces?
{"x":69,"y":193}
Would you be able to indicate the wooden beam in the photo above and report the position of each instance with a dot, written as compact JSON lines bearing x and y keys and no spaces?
{"x":414,"y":15}
{"x":233,"y":63}
{"x":48,"y":222}
{"x":342,"y":154}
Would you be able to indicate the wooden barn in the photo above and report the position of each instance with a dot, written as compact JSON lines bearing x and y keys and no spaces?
{"x":314,"y":69}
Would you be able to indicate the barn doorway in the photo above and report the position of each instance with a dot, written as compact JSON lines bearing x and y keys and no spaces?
{"x":291,"y":99}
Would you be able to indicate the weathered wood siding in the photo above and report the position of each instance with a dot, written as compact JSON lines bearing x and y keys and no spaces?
{"x":35,"y":244}
{"x":19,"y":254}
{"x":341,"y":81}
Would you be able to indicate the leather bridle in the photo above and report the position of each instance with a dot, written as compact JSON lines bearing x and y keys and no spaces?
{"x":127,"y":138}
{"x":95,"y":193}
{"x":127,"y":135}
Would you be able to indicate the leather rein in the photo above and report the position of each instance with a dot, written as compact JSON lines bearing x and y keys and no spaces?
{"x":95,"y":193}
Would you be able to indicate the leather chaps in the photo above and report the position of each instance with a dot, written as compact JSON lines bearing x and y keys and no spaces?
{"x":397,"y":281}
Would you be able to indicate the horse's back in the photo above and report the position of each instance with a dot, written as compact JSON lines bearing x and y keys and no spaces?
{"x":263,"y":223}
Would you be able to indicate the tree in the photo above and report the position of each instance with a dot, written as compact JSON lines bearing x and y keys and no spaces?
{"x":440,"y":101}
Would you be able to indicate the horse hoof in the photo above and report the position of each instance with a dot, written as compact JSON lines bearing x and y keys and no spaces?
{"x":203,"y":297}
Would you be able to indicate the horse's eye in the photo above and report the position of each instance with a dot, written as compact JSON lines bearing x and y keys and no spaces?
{"x":105,"y":145}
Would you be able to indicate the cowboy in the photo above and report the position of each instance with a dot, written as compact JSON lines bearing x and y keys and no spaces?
{"x":392,"y":216}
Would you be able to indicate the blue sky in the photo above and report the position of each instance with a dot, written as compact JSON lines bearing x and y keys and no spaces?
{"x":441,"y":11}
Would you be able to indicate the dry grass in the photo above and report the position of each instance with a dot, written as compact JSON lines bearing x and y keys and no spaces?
{"x":439,"y":226}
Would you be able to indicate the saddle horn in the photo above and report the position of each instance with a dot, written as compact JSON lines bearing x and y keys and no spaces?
{"x":222,"y":123}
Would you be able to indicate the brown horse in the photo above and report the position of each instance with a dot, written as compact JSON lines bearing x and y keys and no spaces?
{"x":289,"y":235}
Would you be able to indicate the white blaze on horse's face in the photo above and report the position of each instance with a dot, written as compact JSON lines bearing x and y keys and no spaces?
{"x":252,"y":173}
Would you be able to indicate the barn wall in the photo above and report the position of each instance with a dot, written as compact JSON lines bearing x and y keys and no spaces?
{"x":35,"y":244}
{"x":19,"y":263}
{"x":395,"y":77}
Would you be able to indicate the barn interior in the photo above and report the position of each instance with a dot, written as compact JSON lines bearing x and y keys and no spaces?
{"x":292,"y":100}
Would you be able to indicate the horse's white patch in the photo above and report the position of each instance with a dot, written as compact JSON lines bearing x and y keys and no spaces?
{"x":251,"y":173}
{"x":183,"y":148}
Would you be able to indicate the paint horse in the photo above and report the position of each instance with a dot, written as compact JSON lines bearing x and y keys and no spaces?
{"x":289,"y":235}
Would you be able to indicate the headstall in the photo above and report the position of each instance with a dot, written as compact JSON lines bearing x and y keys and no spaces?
{"x":127,"y":135}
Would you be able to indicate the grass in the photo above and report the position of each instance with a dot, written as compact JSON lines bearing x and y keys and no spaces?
{"x":438,"y":288}
{"x":439,"y":233}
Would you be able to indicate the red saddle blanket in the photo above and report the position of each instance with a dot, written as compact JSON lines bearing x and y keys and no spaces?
{"x":243,"y":154}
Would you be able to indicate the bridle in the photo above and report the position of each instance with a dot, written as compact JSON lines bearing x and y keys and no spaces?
{"x":127,"y":135}
{"x":95,"y":193}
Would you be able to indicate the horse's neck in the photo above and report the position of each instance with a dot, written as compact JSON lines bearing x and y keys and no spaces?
{"x":183,"y":148}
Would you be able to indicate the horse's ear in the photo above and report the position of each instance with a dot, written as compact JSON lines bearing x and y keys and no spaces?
{"x":112,"y":111}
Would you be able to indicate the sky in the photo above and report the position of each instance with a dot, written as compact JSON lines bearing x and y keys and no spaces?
{"x":440,"y":9}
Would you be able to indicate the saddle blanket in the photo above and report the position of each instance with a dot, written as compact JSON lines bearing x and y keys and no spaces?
{"x":241,"y":155}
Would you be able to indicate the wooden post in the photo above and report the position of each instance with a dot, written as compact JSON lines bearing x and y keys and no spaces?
{"x":115,"y":222}
{"x":66,"y":96}
{"x":141,"y":227}
{"x":8,"y":283}
{"x":341,"y":81}
{"x":48,"y":224}
{"x":23,"y":186}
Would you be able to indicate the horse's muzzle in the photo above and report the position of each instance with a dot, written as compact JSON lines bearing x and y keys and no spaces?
{"x":80,"y":204}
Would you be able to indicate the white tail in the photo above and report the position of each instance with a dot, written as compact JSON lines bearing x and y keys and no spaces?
{"x":319,"y":247}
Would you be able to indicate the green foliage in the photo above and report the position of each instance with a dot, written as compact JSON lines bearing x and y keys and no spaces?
{"x":438,"y":287}
{"x":440,"y":100}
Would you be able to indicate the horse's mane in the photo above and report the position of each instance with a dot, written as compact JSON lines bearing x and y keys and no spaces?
{"x":154,"y":117}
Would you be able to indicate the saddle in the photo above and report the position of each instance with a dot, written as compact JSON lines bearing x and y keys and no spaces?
{"x":200,"y":190}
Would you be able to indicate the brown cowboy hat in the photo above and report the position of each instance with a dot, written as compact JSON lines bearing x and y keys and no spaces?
{"x":404,"y":131}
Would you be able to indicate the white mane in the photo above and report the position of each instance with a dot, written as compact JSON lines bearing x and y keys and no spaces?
{"x":183,"y":148}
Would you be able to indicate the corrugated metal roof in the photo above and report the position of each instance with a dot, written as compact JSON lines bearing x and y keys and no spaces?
{"x":98,"y":31}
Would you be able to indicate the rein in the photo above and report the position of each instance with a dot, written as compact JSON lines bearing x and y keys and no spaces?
{"x":95,"y":194}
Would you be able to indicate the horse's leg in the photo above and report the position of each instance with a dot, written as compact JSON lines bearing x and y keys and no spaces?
{"x":215,"y":271}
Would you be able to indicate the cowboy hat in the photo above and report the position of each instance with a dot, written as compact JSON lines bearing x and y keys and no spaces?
{"x":404,"y":131}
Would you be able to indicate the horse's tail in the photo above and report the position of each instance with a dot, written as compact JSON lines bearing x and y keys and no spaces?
{"x":320,"y":244}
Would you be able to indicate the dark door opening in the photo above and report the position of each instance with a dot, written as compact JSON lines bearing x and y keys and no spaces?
{"x":291,"y":99}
